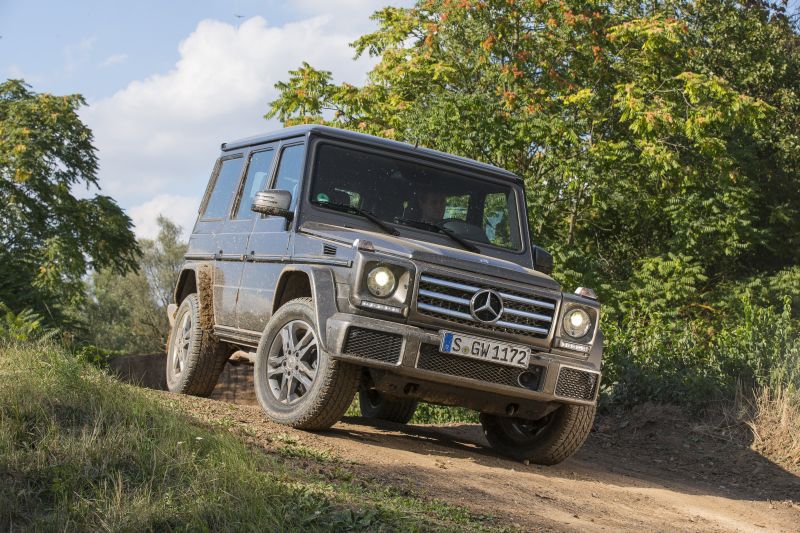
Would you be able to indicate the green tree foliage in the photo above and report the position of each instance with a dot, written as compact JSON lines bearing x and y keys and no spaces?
{"x":128,"y":313}
{"x":49,"y":233}
{"x":659,"y":141}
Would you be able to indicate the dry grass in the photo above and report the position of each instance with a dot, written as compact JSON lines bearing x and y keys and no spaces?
{"x":774,"y":420}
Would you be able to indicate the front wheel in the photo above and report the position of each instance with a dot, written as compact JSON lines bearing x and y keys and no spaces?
{"x":297,"y":383}
{"x":546,"y":441}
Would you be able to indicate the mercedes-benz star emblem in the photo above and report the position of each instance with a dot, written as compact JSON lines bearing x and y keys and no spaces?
{"x":486,"y":306}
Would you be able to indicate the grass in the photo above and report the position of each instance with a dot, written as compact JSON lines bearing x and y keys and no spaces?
{"x":81,"y":451}
{"x":773,"y":417}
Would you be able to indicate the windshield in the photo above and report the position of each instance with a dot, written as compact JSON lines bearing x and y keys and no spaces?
{"x":415,"y":195}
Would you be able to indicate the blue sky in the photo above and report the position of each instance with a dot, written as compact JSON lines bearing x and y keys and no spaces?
{"x":167,"y":82}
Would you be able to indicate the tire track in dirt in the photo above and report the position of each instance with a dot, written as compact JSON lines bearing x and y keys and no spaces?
{"x":651,"y":470}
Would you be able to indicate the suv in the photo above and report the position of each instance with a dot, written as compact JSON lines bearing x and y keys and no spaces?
{"x":350,"y":263}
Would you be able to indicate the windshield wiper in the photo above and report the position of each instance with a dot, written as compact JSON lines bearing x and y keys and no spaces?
{"x":439,"y":229}
{"x":358,"y":211}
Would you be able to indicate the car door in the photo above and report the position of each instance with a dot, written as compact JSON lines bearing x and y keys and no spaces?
{"x":269,"y":243}
{"x":228,"y":236}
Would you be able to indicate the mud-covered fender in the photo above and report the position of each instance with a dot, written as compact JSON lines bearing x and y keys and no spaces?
{"x":323,"y":295}
{"x":197,"y":277}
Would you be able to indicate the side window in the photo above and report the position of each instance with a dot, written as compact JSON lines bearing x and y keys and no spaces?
{"x":257,"y":180}
{"x":290,"y":171}
{"x":496,"y":219}
{"x":220,"y":198}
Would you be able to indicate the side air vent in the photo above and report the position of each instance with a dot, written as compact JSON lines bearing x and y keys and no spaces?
{"x":328,"y":249}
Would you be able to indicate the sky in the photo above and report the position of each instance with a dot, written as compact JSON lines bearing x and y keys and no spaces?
{"x":167,"y":82}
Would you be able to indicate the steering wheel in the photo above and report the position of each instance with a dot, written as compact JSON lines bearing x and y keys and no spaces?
{"x":465,"y":229}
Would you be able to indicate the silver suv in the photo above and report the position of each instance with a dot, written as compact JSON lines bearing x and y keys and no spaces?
{"x":346,"y":263}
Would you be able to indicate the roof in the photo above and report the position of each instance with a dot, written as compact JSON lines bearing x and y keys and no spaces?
{"x":306,"y":129}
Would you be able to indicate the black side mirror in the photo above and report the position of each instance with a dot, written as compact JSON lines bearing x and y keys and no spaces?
{"x":542,"y":260}
{"x":273,"y":202}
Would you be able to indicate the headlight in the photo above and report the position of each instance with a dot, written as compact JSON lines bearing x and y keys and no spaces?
{"x":381,"y":282}
{"x":577,"y":323}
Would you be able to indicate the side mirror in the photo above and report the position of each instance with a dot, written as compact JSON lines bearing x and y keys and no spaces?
{"x":273,"y":202}
{"x":542,"y":261}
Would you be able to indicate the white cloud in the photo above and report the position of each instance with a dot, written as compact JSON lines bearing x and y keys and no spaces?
{"x":113,"y":59}
{"x":159,"y":137}
{"x":181,"y":210}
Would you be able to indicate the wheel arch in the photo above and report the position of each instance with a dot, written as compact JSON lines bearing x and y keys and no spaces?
{"x":317,"y":283}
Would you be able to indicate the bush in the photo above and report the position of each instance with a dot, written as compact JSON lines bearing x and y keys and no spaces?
{"x":660,"y":359}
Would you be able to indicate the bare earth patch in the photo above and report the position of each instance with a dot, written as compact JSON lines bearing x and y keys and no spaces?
{"x":652,"y":470}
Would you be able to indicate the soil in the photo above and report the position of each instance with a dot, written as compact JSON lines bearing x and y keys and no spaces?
{"x":651,"y":469}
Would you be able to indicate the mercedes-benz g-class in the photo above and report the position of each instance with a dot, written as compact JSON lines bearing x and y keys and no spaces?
{"x":351,"y":263}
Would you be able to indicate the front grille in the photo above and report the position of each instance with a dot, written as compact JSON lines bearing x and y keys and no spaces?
{"x":448,"y":299}
{"x":430,"y":358}
{"x":371,"y":344}
{"x":574,"y":383}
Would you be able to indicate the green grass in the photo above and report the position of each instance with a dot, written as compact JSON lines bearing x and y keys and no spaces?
{"x":81,"y":451}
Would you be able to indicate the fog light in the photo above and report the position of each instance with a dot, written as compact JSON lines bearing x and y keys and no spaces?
{"x":381,"y":282}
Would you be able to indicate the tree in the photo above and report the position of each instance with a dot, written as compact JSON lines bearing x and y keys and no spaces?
{"x":658,"y":141}
{"x":128,"y":312}
{"x":48,"y":235}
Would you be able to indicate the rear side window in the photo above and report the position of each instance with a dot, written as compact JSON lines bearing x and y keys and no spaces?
{"x":224,"y":186}
{"x":290,"y":171}
{"x":257,"y":180}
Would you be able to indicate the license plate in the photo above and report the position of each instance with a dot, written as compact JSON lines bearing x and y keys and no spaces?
{"x":484,"y":349}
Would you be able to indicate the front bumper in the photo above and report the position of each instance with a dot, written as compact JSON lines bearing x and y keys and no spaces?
{"x":413,"y":353}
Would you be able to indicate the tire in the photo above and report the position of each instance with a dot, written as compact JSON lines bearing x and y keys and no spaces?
{"x":296,"y":382}
{"x":194,"y":358}
{"x":373,"y":404}
{"x":547,"y":441}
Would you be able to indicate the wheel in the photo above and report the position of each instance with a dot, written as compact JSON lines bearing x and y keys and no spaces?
{"x":546,"y":441}
{"x":373,"y":404}
{"x":194,"y":358}
{"x":297,"y":383}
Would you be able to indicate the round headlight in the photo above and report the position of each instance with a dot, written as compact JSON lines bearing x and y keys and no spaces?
{"x":577,"y":323}
{"x":381,"y":282}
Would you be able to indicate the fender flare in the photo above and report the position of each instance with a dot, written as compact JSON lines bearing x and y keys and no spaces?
{"x":323,"y":295}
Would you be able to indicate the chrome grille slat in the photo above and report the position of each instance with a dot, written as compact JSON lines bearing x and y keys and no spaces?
{"x":451,"y":284}
{"x":527,"y":301}
{"x":440,"y":296}
{"x":456,"y":314}
{"x":512,"y":325}
{"x":525,"y":314}
{"x":447,"y":298}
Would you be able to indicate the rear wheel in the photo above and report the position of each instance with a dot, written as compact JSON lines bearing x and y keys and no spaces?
{"x":373,"y":404}
{"x":297,"y":383}
{"x":194,"y":358}
{"x":546,"y":441}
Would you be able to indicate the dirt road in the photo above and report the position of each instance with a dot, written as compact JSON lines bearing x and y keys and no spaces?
{"x":651,"y":471}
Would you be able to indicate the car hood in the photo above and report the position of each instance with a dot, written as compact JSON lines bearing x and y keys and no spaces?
{"x":429,"y":252}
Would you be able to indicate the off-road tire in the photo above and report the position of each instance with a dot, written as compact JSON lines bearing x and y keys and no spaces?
{"x":205,"y":356}
{"x":565,"y":432}
{"x":332,"y":389}
{"x":373,"y":404}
